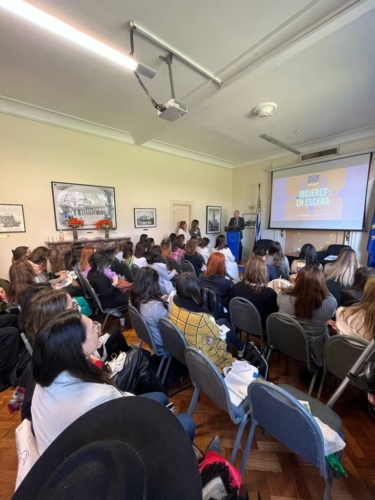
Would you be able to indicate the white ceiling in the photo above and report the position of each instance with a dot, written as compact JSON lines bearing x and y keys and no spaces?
{"x":315,"y":59}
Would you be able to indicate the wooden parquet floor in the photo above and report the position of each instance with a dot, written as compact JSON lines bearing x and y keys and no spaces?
{"x":271,"y":469}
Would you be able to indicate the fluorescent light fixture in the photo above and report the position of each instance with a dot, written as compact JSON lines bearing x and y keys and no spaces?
{"x":50,"y":23}
{"x":277,"y":143}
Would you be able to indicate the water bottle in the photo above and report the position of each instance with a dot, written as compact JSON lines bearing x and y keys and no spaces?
{"x":61,"y":236}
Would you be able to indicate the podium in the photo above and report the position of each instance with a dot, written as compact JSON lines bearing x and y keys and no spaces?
{"x":234,"y":240}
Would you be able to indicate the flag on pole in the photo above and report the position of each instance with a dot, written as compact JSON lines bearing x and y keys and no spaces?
{"x":258,"y":221}
{"x":371,"y":244}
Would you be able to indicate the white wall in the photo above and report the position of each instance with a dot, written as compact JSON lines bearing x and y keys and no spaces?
{"x":34,"y":154}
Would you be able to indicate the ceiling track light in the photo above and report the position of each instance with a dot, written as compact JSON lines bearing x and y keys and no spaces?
{"x":268,"y":138}
{"x":50,"y":23}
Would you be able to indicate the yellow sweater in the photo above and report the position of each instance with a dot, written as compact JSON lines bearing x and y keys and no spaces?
{"x":201,"y":332}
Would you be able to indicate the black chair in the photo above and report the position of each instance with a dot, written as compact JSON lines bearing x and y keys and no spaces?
{"x":245,"y":317}
{"x":116,"y":266}
{"x":126,"y":272}
{"x":280,"y":273}
{"x":134,"y":269}
{"x":173,"y":264}
{"x":187,"y":267}
{"x":331,"y":250}
{"x":212,"y":302}
{"x":263,"y":244}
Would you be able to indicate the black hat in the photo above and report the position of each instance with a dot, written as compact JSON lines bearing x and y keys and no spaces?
{"x":130,"y":448}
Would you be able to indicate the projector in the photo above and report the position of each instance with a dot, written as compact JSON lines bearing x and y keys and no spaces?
{"x":174,"y":110}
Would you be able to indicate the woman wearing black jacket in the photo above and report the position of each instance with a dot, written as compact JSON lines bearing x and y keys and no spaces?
{"x":193,"y":257}
{"x":214,"y":278}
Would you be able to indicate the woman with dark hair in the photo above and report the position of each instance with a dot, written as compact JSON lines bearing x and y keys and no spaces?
{"x":177,"y":250}
{"x":172,"y":236}
{"x":128,"y":254}
{"x":230,"y":261}
{"x":146,"y":297}
{"x":165,"y":246}
{"x":193,"y":257}
{"x":154,"y":261}
{"x":143,"y":238}
{"x":352,"y":295}
{"x":195,"y":231}
{"x":21,"y":276}
{"x":84,"y":265}
{"x":39,"y":260}
{"x":311,"y":304}
{"x":214,"y":278}
{"x":75,"y":252}
{"x":183,"y":230}
{"x":253,"y":287}
{"x":203,"y":249}
{"x":340,"y":274}
{"x":20,"y":253}
{"x":198,"y":326}
{"x":276,"y":257}
{"x":140,"y":255}
{"x":150,"y":242}
{"x":307,"y":257}
{"x":110,"y":295}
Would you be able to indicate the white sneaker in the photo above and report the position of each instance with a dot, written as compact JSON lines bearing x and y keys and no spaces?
{"x":103,"y":338}
{"x":117,"y":363}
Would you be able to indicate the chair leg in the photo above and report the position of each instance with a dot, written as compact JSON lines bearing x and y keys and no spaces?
{"x":161,"y":365}
{"x":269,"y":353}
{"x":313,"y":381}
{"x":327,"y":491}
{"x":194,"y":401}
{"x":166,"y":369}
{"x":321,"y":386}
{"x":247,"y":447}
{"x":105,"y":321}
{"x":238,"y":439}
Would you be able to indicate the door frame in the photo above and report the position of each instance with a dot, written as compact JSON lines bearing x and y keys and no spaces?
{"x":180,"y":202}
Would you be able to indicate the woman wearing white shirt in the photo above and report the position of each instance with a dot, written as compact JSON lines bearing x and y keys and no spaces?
{"x":182,"y":229}
{"x":203,"y":249}
{"x":230,"y":260}
{"x":140,"y":255}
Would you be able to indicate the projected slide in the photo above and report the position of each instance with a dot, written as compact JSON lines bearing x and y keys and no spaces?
{"x":329,"y":195}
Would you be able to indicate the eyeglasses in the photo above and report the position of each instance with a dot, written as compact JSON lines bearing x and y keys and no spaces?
{"x":97,"y":327}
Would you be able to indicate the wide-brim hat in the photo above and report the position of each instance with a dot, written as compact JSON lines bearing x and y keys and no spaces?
{"x":130,"y":448}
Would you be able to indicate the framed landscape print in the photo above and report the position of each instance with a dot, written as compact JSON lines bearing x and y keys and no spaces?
{"x":12,"y":219}
{"x":250,"y":219}
{"x":213,"y":220}
{"x":145,"y":217}
{"x":90,"y":203}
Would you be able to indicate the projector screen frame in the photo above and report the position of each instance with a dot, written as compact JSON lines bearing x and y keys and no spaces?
{"x":316,"y":162}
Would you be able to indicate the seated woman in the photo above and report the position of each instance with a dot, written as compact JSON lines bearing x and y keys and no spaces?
{"x":353,"y":295}
{"x":84,"y":265}
{"x":75,"y":252}
{"x":119,"y":249}
{"x":253,"y":287}
{"x":198,"y":326}
{"x":193,"y":257}
{"x":340,"y":274}
{"x":146,"y":297}
{"x":203,"y":249}
{"x":39,"y":261}
{"x":165,"y":246}
{"x":20,"y":253}
{"x":214,"y":278}
{"x":271,"y":270}
{"x":307,"y":257}
{"x":277,"y":259}
{"x":21,"y":276}
{"x":67,"y":383}
{"x":177,"y":250}
{"x":140,"y":255}
{"x":165,"y":276}
{"x":128,"y":253}
{"x":195,"y":231}
{"x":106,"y":288}
{"x":311,"y":304}
{"x":230,"y":261}
{"x":359,"y":319}
{"x":183,"y":230}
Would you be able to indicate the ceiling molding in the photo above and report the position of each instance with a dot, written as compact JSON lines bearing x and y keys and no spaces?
{"x":309,"y":147}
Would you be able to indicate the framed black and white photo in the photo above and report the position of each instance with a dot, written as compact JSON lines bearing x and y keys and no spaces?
{"x":90,"y":203}
{"x":145,"y":217}
{"x":250,"y":219}
{"x":213,"y":220}
{"x":12,"y":219}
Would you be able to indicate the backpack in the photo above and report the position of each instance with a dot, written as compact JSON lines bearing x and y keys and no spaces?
{"x":255,"y":357}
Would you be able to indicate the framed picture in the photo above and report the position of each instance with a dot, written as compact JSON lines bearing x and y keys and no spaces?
{"x":90,"y":203}
{"x":145,"y":217}
{"x":213,"y":220}
{"x":12,"y":219}
{"x":250,"y":220}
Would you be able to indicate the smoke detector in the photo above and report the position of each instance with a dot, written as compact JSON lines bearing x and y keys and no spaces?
{"x":265,"y":109}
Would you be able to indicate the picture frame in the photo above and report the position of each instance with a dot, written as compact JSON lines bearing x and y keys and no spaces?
{"x":12,"y":218}
{"x":250,"y":219}
{"x":84,"y":201}
{"x":144,"y":217}
{"x":213,"y":219}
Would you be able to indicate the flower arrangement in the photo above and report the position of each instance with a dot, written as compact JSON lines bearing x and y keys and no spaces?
{"x":105,"y":224}
{"x":74,"y":223}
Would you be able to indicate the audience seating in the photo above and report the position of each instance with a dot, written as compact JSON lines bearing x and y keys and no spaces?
{"x":245,"y":317}
{"x":134,"y":269}
{"x":187,"y":267}
{"x":126,"y":272}
{"x":174,"y":342}
{"x":213,"y":303}
{"x":278,"y":411}
{"x":143,"y":333}
{"x":173,"y":264}
{"x":340,"y":354}
{"x":96,"y":301}
{"x":207,"y":378}
{"x":286,"y":335}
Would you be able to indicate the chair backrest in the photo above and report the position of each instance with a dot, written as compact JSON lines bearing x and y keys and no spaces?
{"x":116,"y":266}
{"x":286,"y":335}
{"x":141,"y":329}
{"x":281,"y":415}
{"x":280,"y":273}
{"x":126,"y":272}
{"x":187,"y":267}
{"x":245,"y":316}
{"x":173,"y":264}
{"x":208,"y":379}
{"x":212,"y":302}
{"x":91,"y":292}
{"x":278,"y":284}
{"x":263,"y":244}
{"x":81,"y":281}
{"x":134,"y":269}
{"x":173,"y":340}
{"x":340,"y":354}
{"x":335,"y":249}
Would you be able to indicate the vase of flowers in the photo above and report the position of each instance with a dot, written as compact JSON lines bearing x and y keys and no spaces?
{"x":105,"y":224}
{"x":74,"y":223}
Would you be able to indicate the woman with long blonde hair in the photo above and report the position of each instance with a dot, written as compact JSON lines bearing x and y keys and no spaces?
{"x":359,"y":320}
{"x":340,"y":274}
